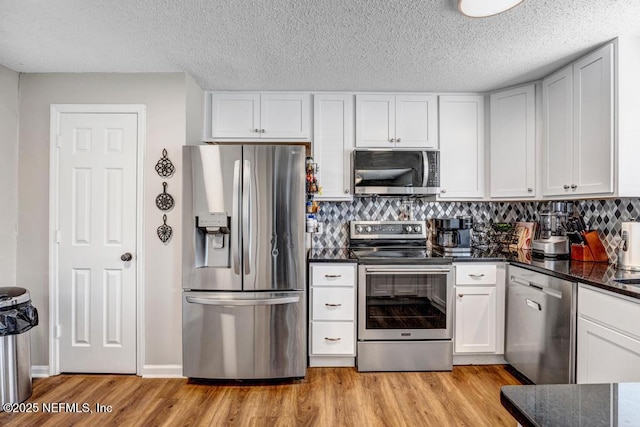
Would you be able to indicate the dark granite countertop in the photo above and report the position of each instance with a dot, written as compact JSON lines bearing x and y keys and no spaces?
{"x":573,"y":404}
{"x":330,"y":255}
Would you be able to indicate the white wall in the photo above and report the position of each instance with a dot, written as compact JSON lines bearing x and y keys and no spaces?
{"x":9,"y":81}
{"x":164,"y":95}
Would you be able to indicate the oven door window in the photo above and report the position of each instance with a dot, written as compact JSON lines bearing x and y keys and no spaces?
{"x":406,"y":301}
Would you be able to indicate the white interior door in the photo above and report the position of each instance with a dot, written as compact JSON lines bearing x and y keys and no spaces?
{"x":97,"y":227}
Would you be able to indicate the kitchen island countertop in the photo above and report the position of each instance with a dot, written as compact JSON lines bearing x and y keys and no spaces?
{"x":573,"y":404}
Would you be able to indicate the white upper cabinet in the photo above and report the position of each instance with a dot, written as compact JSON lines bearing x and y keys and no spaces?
{"x":461,"y":146}
{"x":259,"y":116}
{"x":513,"y":142}
{"x":396,"y":121}
{"x":332,"y":144}
{"x":578,"y":119}
{"x":593,"y":123}
{"x":557,"y":138}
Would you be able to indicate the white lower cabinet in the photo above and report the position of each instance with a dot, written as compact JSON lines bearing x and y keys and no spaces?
{"x":479,"y":309}
{"x":608,"y":337}
{"x":476,"y":319}
{"x":332,"y":314}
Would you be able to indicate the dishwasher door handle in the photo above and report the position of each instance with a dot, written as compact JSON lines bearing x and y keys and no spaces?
{"x":534,"y":305}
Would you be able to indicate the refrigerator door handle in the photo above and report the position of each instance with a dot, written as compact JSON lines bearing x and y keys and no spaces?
{"x":235,"y":217}
{"x":243,"y":302}
{"x":246,"y":216}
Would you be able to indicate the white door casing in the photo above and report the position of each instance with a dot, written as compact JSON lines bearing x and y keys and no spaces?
{"x":95,"y":218}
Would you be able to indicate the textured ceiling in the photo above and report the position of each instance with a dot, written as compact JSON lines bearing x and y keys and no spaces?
{"x":359,"y":45}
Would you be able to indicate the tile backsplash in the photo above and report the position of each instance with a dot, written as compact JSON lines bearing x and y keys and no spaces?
{"x":602,"y":215}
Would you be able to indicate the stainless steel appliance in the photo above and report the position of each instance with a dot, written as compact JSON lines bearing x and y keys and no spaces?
{"x":243,"y":272}
{"x":405,"y":298}
{"x":452,"y":236}
{"x":629,"y":248}
{"x":541,"y":326}
{"x":394,"y":172}
{"x":552,"y":241}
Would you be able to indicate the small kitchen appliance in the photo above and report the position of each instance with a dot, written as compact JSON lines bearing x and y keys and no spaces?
{"x":553,"y":242}
{"x":405,"y":298}
{"x":452,"y":236}
{"x":629,"y":247}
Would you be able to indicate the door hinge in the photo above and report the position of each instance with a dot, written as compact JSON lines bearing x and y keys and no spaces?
{"x":59,"y":140}
{"x":57,"y":236}
{"x":58,"y":331}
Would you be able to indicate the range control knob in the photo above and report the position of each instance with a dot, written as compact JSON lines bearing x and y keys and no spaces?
{"x":407,"y":228}
{"x":359,"y":228}
{"x":417,"y":228}
{"x":368,"y":229}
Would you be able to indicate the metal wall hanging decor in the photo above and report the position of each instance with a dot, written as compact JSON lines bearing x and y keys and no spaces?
{"x":164,"y":167}
{"x":164,"y":231}
{"x":164,"y":201}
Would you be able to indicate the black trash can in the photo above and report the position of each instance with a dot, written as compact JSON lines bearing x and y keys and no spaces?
{"x":17,"y":317}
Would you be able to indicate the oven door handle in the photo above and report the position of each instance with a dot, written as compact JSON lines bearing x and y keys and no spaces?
{"x":407,"y":270}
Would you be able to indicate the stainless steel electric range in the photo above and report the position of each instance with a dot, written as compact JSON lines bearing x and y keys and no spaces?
{"x":405,"y":298}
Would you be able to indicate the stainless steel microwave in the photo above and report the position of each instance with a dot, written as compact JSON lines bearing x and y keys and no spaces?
{"x":396,"y":172}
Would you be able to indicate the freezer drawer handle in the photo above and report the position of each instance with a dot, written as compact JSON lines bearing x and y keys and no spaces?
{"x":332,"y":276}
{"x":534,"y":304}
{"x":333,"y":305}
{"x":243,"y":302}
{"x":332,"y":339}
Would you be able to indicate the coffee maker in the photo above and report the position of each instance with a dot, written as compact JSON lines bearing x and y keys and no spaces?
{"x":452,"y":236}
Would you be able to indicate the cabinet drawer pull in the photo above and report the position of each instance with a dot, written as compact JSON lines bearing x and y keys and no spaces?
{"x":460,"y":295}
{"x":333,"y":305}
{"x":332,"y":339}
{"x":332,"y":276}
{"x":476,"y":276}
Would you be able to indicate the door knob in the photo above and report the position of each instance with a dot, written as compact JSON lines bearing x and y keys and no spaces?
{"x":126,"y":257}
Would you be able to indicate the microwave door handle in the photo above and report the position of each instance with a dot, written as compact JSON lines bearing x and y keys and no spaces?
{"x":235,"y":218}
{"x":425,"y":168}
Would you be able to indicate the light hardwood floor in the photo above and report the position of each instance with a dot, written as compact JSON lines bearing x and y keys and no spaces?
{"x":468,"y":396}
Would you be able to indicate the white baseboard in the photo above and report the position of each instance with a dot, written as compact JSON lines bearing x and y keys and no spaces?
{"x":479,"y":359}
{"x":162,"y":371}
{"x":39,"y":371}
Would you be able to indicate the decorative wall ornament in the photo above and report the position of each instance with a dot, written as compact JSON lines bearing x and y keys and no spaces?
{"x":164,"y":201}
{"x":164,"y":167}
{"x":164,"y":231}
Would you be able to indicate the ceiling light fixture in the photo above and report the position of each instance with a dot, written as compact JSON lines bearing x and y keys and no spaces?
{"x":483,"y":8}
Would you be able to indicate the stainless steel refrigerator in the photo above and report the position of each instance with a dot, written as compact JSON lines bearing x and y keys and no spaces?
{"x":244,"y":267}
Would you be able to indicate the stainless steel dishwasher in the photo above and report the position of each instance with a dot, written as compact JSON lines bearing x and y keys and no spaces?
{"x":541,"y":326}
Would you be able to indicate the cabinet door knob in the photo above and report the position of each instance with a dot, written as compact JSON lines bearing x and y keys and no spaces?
{"x":255,"y":130}
{"x":346,"y":191}
{"x":392,"y":140}
{"x":530,"y":190}
{"x":443,"y":190}
{"x":398,"y":139}
{"x":262,"y":131}
{"x":460,"y":295}
{"x":566,"y":187}
{"x":573,"y":186}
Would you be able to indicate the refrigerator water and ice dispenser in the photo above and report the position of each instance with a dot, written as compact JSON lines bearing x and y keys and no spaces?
{"x":212,"y":242}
